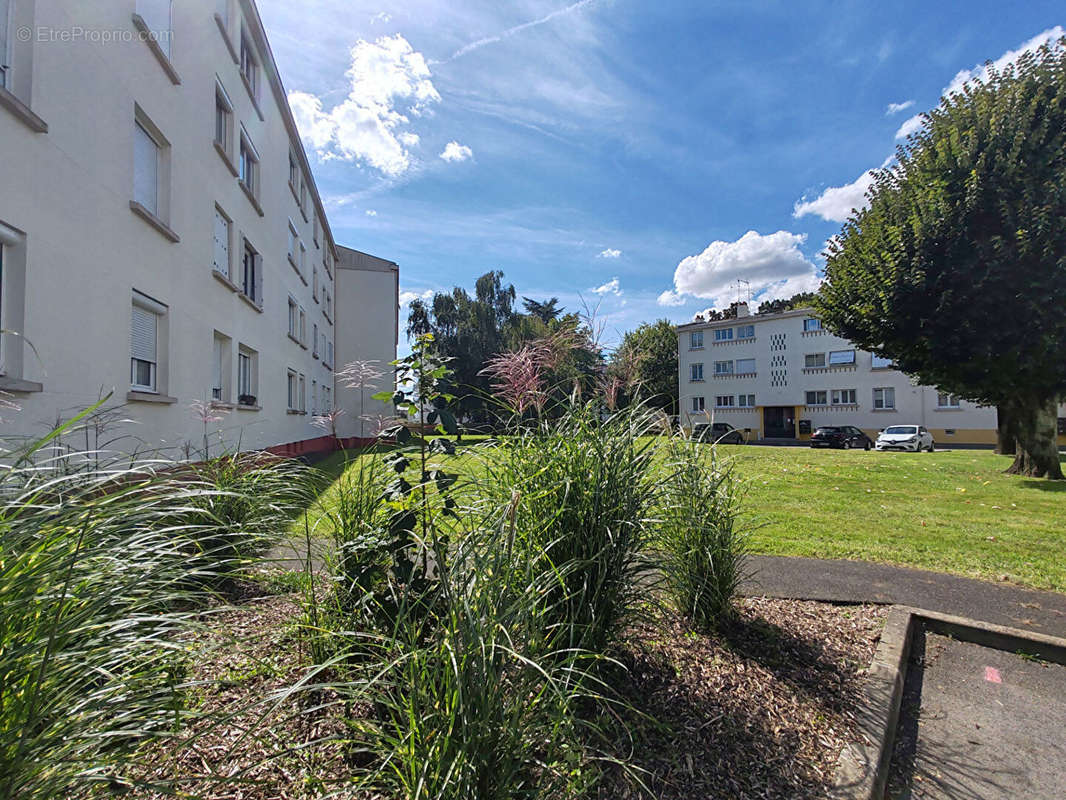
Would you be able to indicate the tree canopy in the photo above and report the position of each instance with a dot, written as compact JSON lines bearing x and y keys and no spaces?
{"x":957,"y":268}
{"x":645,"y":364}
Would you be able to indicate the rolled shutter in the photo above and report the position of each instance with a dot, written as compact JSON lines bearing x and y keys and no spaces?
{"x":143,"y":326}
{"x":145,"y":169}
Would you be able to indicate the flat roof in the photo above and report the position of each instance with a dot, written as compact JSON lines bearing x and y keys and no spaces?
{"x":806,"y":311}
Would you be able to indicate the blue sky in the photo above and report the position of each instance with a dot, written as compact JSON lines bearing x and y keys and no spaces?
{"x":636,"y":156}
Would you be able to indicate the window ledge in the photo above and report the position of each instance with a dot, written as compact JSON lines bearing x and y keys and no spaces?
{"x":257,"y":306}
{"x":295,"y":411}
{"x":251,"y":198}
{"x":22,"y":112}
{"x":883,"y":410}
{"x":696,"y":380}
{"x":225,"y":37}
{"x":293,"y":338}
{"x":224,"y":280}
{"x":295,"y":194}
{"x":696,"y":348}
{"x":304,"y":214}
{"x":149,"y":397}
{"x":243,"y":407}
{"x":228,"y":161}
{"x":949,"y":409}
{"x":222,"y":404}
{"x":154,"y":221}
{"x":19,"y":385}
{"x":251,"y":95}
{"x":292,"y":263}
{"x":157,"y":51}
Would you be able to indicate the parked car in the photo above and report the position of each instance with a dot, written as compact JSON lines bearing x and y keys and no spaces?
{"x":718,"y":432}
{"x":914,"y":438}
{"x":842,"y":436}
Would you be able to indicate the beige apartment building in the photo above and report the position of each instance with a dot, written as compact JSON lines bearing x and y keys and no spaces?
{"x":162,"y":239}
{"x":780,"y":376}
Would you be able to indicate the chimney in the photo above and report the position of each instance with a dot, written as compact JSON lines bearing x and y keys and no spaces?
{"x":741,"y":309}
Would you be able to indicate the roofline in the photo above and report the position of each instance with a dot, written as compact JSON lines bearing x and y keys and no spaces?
{"x":376,"y":264}
{"x":258,"y":31}
{"x":806,"y":311}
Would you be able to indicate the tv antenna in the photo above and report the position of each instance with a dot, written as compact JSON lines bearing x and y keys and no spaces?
{"x":743,"y":287}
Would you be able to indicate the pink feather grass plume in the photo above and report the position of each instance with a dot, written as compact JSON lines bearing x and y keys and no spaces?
{"x":518,"y":376}
{"x":357,"y":374}
{"x":328,"y":421}
{"x":207,"y":413}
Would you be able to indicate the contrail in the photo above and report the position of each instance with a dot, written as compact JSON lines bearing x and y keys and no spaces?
{"x":462,"y":51}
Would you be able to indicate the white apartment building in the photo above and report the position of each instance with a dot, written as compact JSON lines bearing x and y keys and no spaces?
{"x":780,"y":376}
{"x":161,"y":235}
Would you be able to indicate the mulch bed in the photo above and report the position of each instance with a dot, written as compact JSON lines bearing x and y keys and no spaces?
{"x":759,"y":710}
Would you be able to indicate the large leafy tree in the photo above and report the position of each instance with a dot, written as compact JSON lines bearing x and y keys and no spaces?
{"x":646,"y":364}
{"x":957,"y":269}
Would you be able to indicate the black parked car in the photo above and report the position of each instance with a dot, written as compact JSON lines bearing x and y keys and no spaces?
{"x":720,"y":432}
{"x":843,"y":436}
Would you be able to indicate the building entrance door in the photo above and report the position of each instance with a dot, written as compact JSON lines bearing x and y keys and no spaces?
{"x":779,"y":422}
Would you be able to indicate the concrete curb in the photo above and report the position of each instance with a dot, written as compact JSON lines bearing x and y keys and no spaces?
{"x":862,"y":769}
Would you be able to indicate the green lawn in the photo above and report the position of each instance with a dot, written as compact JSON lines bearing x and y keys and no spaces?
{"x":950,"y":511}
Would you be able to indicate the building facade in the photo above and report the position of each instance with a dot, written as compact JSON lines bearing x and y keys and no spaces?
{"x":162,"y":239}
{"x":780,"y":376}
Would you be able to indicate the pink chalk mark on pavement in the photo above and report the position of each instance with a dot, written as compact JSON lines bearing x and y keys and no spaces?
{"x":992,"y":675}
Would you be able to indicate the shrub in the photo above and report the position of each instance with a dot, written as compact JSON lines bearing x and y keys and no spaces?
{"x":701,"y":548}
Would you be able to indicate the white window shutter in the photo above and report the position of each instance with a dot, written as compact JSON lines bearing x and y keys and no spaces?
{"x":145,"y":169}
{"x":258,"y":281}
{"x":221,"y":243}
{"x":218,"y":363}
{"x":143,"y":334}
{"x":156,"y":16}
{"x":5,"y":12}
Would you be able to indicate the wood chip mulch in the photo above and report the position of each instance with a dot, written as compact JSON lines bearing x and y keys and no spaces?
{"x":759,"y":710}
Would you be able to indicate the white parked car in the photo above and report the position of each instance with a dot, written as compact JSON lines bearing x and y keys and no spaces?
{"x":905,"y":437}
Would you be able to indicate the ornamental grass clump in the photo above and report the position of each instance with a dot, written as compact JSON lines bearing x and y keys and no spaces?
{"x":701,"y":548}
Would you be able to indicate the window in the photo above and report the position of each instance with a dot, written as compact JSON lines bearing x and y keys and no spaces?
{"x":695,"y":372}
{"x":294,"y":319}
{"x":249,"y":166}
{"x":843,"y":397}
{"x":294,"y":239}
{"x":817,"y":398}
{"x":746,"y":332}
{"x":314,"y":396}
{"x":303,"y":326}
{"x":840,"y":357}
{"x":220,"y":367}
{"x":223,"y":119}
{"x":303,"y":262}
{"x":723,"y":367}
{"x":314,"y":231}
{"x":745,"y":366}
{"x":303,"y":394}
{"x":156,"y":16}
{"x":884,"y":398}
{"x":814,"y":360}
{"x":327,"y":398}
{"x":249,"y":66}
{"x":146,"y":159}
{"x":946,"y":400}
{"x":329,"y":305}
{"x":724,"y":401}
{"x":314,"y":282}
{"x":723,"y":334}
{"x":292,"y":401}
{"x":223,"y":234}
{"x":12,"y":299}
{"x":880,"y":362}
{"x":247,"y":375}
{"x":252,"y":274}
{"x":5,"y":61}
{"x":698,"y":404}
{"x":695,"y":340}
{"x":294,"y":172}
{"x":746,"y":400}
{"x":303,"y":197}
{"x":145,"y":317}
{"x":329,"y":354}
{"x":812,"y":324}
{"x":314,"y":339}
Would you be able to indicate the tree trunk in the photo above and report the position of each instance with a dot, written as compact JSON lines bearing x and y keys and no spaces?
{"x":1034,"y":423}
{"x":1006,"y":437}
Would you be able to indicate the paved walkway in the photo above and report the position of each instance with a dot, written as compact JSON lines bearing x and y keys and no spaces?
{"x":864,"y":582}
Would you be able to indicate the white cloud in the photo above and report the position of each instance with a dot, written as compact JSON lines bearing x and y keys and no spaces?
{"x":611,"y":287}
{"x":389,"y":81}
{"x":371,"y":212}
{"x":407,"y":296}
{"x":909,"y":126}
{"x":772,"y":264}
{"x":610,"y":253}
{"x":980,"y":71}
{"x":836,"y":202}
{"x":453,"y":151}
{"x":383,"y":17}
{"x":479,"y":43}
{"x":895,"y":108}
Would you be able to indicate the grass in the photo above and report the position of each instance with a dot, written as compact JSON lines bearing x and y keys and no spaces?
{"x":949,"y":511}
